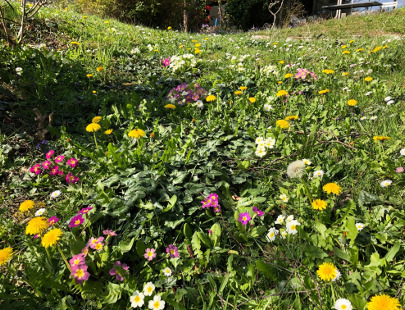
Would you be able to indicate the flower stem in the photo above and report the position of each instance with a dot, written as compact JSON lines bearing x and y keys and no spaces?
{"x":49,"y":255}
{"x":64,"y":258}
{"x":307,"y":190}
{"x":333,"y":292}
{"x":95,"y":140}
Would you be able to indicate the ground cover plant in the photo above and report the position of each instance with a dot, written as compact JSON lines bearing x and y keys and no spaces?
{"x":188,"y":171}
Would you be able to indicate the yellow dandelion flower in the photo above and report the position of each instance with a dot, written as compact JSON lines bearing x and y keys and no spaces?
{"x":376,"y":49}
{"x":327,"y":71}
{"x":5,"y":255}
{"x":36,"y":226}
{"x":288,"y":75}
{"x":197,"y":51}
{"x":282,"y":93}
{"x":281,"y":62}
{"x":26,"y":205}
{"x":252,"y":99}
{"x":344,"y":46}
{"x":205,"y":38}
{"x":75,"y":43}
{"x":346,"y":52}
{"x":324,"y":91}
{"x":168,"y":28}
{"x":345,"y":73}
{"x":84,"y":16}
{"x":280,"y":82}
{"x":352,"y":102}
{"x":381,"y":138}
{"x":170,"y":106}
{"x":93,"y":127}
{"x":106,"y":22}
{"x":94,"y":92}
{"x":291,"y":117}
{"x":360,"y":49}
{"x":99,"y":69}
{"x":385,"y":46}
{"x":194,"y":41}
{"x":108,"y":132}
{"x":327,"y":271}
{"x":368,"y":79}
{"x":89,"y":75}
{"x":283,"y":124}
{"x":242,"y":88}
{"x":383,"y":302}
{"x":136,"y":133}
{"x":197,"y":45}
{"x":319,"y":204}
{"x":96,"y":119}
{"x":211,"y":98}
{"x":238,"y":92}
{"x":351,"y":41}
{"x":332,"y":188}
{"x":51,"y":238}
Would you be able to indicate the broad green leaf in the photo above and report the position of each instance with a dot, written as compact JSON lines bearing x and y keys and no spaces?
{"x":392,"y":252}
{"x":140,"y":248}
{"x":126,"y":246}
{"x":351,"y":229}
{"x":215,"y":233}
{"x":188,"y":233}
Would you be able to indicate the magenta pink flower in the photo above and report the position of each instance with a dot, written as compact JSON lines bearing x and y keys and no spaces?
{"x":54,"y":170}
{"x":77,"y":260}
{"x":36,"y":169}
{"x":76,"y":221}
{"x":72,"y":162}
{"x":85,"y":251}
{"x":70,"y":178}
{"x":244,"y":218}
{"x":217,"y":209}
{"x":46,"y":164}
{"x":36,"y":236}
{"x":60,"y":172}
{"x":80,"y":274}
{"x":85,"y":210}
{"x":50,"y":154}
{"x":53,"y":220}
{"x":149,"y":254}
{"x":59,"y":159}
{"x":119,"y":270}
{"x":166,"y":62}
{"x":260,"y":213}
{"x":109,"y":232}
{"x":172,"y":250}
{"x":92,"y":243}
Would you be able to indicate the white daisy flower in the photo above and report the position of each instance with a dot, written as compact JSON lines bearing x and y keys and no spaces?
{"x":259,"y":139}
{"x":137,"y":299}
{"x":284,"y":234}
{"x":156,"y":303}
{"x":280,"y":219}
{"x":55,"y":194}
{"x":148,"y":289}
{"x":363,"y":118}
{"x":338,"y":275}
{"x":368,"y":93}
{"x":289,"y":218}
{"x":343,"y":304}
{"x":40,"y":212}
{"x":307,"y":162}
{"x":318,"y":173}
{"x":386,"y":99}
{"x":260,"y":152}
{"x":167,"y":272}
{"x":19,"y":70}
{"x":386,"y":183}
{"x":271,"y":235}
{"x":292,"y":227}
{"x":267,"y":107}
{"x":359,"y":226}
{"x":269,"y":143}
{"x":199,"y":104}
{"x":261,"y":145}
{"x":283,"y":198}
{"x":390,"y":102}
{"x":402,"y":152}
{"x":373,"y":118}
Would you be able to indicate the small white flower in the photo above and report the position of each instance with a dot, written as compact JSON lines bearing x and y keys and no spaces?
{"x":55,"y":194}
{"x":343,"y":304}
{"x":385,"y":183}
{"x":289,"y":218}
{"x":148,"y":289}
{"x":269,"y":143}
{"x":267,"y":107}
{"x":318,"y":173}
{"x":338,"y":275}
{"x":390,"y":102}
{"x":199,"y":104}
{"x":40,"y":212}
{"x":386,"y":99}
{"x":259,"y":139}
{"x":269,"y":128}
{"x":271,"y":235}
{"x":359,"y":226}
{"x":307,"y":162}
{"x":283,"y":234}
{"x":373,"y":118}
{"x":363,"y":118}
{"x":261,"y":145}
{"x":292,"y":227}
{"x":402,"y":152}
{"x":137,"y":299}
{"x":157,"y":303}
{"x":260,"y":152}
{"x":167,"y":272}
{"x":18,"y":70}
{"x":368,"y":93}
{"x":283,"y":198}
{"x":280,"y":219}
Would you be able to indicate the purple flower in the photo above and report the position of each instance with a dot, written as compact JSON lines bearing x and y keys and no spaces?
{"x":244,"y":218}
{"x":118,"y":270}
{"x":85,"y":210}
{"x":150,"y":254}
{"x":76,"y":221}
{"x":173,"y":251}
{"x":72,"y":162}
{"x":109,"y":232}
{"x":77,"y":260}
{"x":217,"y":209}
{"x":399,"y":170}
{"x":259,"y":213}
{"x":80,"y":274}
{"x":53,"y":220}
{"x":59,"y":159}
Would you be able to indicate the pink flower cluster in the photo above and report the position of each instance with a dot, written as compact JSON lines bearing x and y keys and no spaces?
{"x":173,"y":251}
{"x":166,"y":62}
{"x":186,"y":93}
{"x":304,"y":73}
{"x":78,"y":219}
{"x":150,"y":254}
{"x":79,"y":268}
{"x":54,"y":170}
{"x":118,"y":270}
{"x":211,"y":201}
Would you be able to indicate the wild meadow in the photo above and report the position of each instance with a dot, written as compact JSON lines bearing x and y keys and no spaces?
{"x":166,"y":170}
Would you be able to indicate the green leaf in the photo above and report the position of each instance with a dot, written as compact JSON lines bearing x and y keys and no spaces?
{"x":113,"y":293}
{"x":366,"y":198}
{"x":351,"y":229}
{"x":257,"y":231}
{"x":171,"y":204}
{"x":140,"y":248}
{"x":392,"y":252}
{"x":339,"y":253}
{"x":314,"y":252}
{"x":188,"y":233}
{"x":196,"y":244}
{"x":248,"y":201}
{"x":265,"y":269}
{"x":126,"y":246}
{"x":215,"y":233}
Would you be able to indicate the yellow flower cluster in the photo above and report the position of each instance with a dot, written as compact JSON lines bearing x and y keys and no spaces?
{"x":291,"y":117}
{"x":36,"y":226}
{"x":170,"y":106}
{"x":332,"y":188}
{"x":26,"y":205}
{"x":211,"y":98}
{"x":93,"y":127}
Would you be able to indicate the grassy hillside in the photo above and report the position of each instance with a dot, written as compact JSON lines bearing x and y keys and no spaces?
{"x":166,"y":170}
